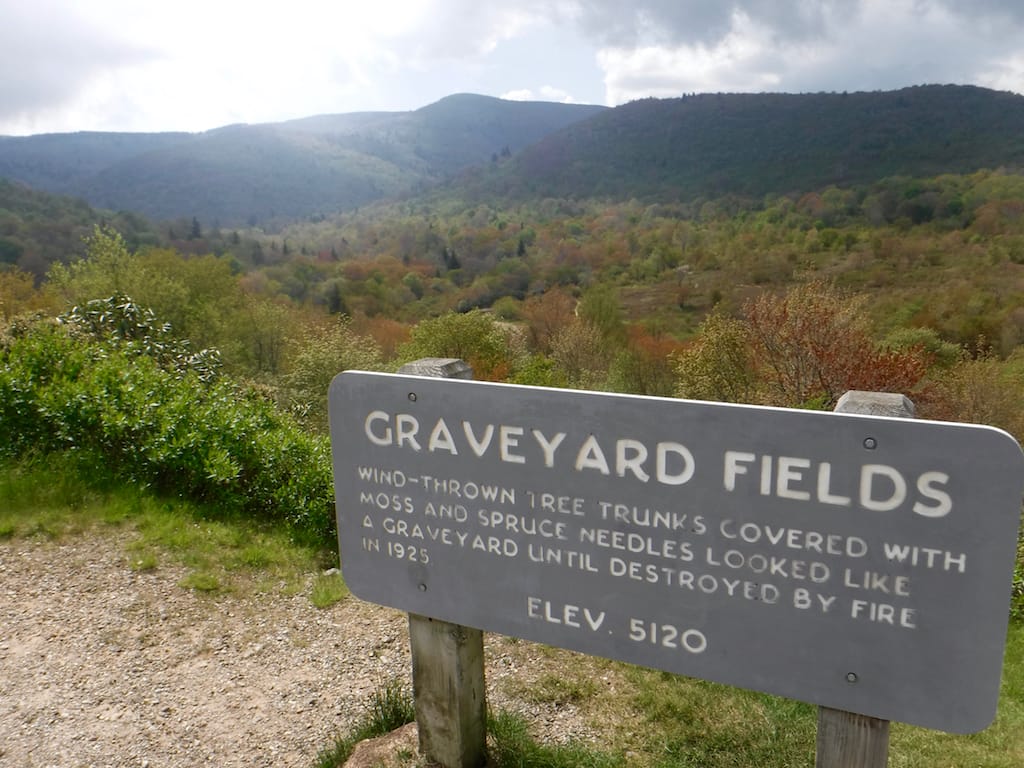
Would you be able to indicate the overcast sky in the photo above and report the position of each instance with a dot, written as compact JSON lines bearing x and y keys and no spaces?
{"x":132,"y":65}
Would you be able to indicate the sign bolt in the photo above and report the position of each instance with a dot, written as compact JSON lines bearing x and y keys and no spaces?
{"x":423,"y":587}
{"x":412,"y":397}
{"x":851,"y":677}
{"x":870,"y":443}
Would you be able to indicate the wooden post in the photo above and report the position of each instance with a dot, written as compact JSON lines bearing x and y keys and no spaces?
{"x":848,"y":740}
{"x":448,"y":659}
{"x":845,"y":739}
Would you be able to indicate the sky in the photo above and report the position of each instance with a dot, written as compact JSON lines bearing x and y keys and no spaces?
{"x":193,"y":65}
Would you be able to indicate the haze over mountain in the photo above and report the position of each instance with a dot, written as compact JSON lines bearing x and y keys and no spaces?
{"x":281,"y":171}
{"x":696,"y":146}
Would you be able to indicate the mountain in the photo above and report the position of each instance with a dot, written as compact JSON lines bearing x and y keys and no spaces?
{"x":281,"y":171}
{"x":713,"y":145}
{"x":39,"y":228}
{"x":691,"y":148}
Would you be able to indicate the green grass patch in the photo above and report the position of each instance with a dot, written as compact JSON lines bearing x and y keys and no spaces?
{"x":688,"y":723}
{"x":694,"y":723}
{"x":511,"y":746}
{"x":328,"y":589}
{"x":56,"y":500}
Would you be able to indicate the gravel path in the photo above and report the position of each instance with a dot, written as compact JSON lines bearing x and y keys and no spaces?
{"x":101,"y":665}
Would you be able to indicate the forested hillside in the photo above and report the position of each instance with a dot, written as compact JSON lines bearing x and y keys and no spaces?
{"x":696,"y":147}
{"x":713,"y":145}
{"x":269,"y":174}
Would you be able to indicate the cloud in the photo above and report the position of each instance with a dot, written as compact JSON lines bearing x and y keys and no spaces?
{"x":670,"y":23}
{"x":49,"y":54}
{"x":864,"y":45}
{"x":544,"y":93}
{"x":196,"y":64}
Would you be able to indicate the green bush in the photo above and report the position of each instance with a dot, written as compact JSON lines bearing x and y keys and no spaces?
{"x":132,"y":416}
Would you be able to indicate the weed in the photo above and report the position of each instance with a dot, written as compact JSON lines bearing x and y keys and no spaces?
{"x":328,"y":589}
{"x":390,"y":706}
{"x":201,"y":581}
{"x":143,"y":562}
{"x":512,"y":747}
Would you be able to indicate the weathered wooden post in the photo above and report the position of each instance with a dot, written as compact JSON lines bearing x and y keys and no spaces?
{"x":448,"y":659}
{"x":845,"y":739}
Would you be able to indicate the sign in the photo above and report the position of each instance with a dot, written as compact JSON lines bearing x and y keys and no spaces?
{"x":859,"y":563}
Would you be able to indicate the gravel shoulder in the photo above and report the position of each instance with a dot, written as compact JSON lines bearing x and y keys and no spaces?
{"x":101,"y":665}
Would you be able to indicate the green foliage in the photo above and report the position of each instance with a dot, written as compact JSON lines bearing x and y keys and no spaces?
{"x":474,"y":337}
{"x":38,"y":229}
{"x":539,"y":371}
{"x":718,"y":365}
{"x":582,"y":355}
{"x":600,"y":307}
{"x":199,"y":297}
{"x":319,"y":355}
{"x":122,"y":323}
{"x":716,"y":146}
{"x":128,"y":418}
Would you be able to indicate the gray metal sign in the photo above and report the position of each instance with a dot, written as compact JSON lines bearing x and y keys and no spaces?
{"x":854,"y":562}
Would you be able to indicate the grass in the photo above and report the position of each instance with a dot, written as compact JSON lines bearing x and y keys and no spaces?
{"x":651,"y":720}
{"x":53,"y":501}
{"x":390,"y":706}
{"x":328,"y":589}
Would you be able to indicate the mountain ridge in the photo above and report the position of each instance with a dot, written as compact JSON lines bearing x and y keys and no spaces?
{"x":258,"y":173}
{"x":695,"y":147}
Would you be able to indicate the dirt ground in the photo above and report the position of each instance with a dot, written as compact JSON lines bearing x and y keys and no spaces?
{"x":102,"y":665}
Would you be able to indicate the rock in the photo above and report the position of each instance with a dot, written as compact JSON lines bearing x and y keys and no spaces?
{"x":398,"y":749}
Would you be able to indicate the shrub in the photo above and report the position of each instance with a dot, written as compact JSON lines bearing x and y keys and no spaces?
{"x":131,"y":418}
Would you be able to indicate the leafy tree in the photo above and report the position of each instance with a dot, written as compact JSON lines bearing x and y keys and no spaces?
{"x":320,"y":353}
{"x":107,"y":268}
{"x":981,"y":389}
{"x":260,"y":336}
{"x":546,"y":315}
{"x":813,"y":343}
{"x":644,"y":365}
{"x":600,"y":307}
{"x":582,"y":355}
{"x":718,"y":365}
{"x":474,"y":337}
{"x":803,"y":348}
{"x":18,"y":294}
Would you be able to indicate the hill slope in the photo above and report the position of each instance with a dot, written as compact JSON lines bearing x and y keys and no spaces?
{"x":281,"y":171}
{"x":755,"y":144}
